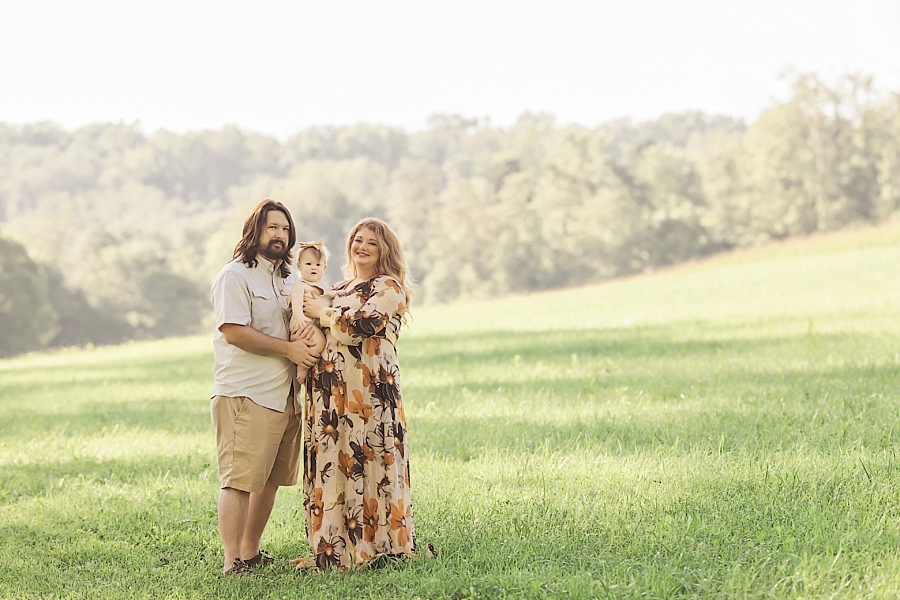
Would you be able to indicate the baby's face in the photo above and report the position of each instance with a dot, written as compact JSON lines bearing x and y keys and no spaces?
{"x":311,"y":265}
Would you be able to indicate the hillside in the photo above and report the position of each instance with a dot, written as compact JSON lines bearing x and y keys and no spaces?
{"x":825,"y":275}
{"x":720,"y":429}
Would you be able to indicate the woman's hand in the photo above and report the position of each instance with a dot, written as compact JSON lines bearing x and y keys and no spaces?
{"x":314,"y":307}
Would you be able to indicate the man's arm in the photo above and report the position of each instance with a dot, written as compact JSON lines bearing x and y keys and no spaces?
{"x":251,"y":340}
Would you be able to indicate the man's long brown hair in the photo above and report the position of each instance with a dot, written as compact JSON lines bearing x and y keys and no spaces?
{"x":253,"y":227}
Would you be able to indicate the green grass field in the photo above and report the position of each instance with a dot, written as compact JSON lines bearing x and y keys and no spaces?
{"x":724,"y":429}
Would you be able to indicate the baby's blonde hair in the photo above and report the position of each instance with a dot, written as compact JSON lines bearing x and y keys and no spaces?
{"x":318,"y":247}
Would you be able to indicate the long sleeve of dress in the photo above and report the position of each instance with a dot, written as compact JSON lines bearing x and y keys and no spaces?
{"x":367,"y":313}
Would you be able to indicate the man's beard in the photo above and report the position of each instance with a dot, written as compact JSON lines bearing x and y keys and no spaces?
{"x":273,"y":252}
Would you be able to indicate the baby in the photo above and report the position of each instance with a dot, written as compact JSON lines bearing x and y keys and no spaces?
{"x":311,"y":262}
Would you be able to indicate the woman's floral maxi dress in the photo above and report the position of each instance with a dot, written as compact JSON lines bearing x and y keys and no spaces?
{"x":356,"y":464}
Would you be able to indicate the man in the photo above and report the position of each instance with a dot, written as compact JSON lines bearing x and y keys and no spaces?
{"x":254,"y":409}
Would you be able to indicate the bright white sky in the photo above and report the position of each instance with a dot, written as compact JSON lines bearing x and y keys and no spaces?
{"x":279,"y":67}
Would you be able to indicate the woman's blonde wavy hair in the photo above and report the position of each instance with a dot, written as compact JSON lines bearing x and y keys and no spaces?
{"x":391,"y":260}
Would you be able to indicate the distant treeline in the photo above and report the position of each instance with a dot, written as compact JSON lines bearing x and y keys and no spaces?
{"x":111,"y":234}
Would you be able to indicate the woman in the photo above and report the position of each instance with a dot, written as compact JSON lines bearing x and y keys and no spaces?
{"x":356,"y":472}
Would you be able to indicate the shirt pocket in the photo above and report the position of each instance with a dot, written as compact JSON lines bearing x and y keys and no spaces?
{"x":284,"y":301}
{"x":284,"y":295}
{"x":263,"y":309}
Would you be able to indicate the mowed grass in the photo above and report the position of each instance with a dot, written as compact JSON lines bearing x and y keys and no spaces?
{"x":724,"y":429}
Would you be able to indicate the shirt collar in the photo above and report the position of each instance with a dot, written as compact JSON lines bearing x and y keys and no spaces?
{"x":267,"y":264}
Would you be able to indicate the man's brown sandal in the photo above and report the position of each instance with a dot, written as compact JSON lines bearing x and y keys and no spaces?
{"x":238,"y":569}
{"x":260,"y":560}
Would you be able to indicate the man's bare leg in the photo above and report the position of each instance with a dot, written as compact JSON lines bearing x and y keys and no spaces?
{"x":260,"y":507}
{"x":233,"y":507}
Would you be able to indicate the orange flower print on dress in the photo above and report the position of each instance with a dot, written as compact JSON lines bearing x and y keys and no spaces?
{"x":354,"y":525}
{"x":360,"y":407}
{"x":370,"y":519}
{"x":367,"y":377}
{"x":339,"y":394}
{"x":363,"y":452}
{"x":344,"y":323}
{"x":347,"y":465}
{"x":398,"y":522}
{"x":387,"y":391}
{"x":365,"y":324}
{"x":317,"y":510}
{"x":329,"y":424}
{"x":328,"y":552}
{"x":327,"y":371}
{"x":399,"y":440}
{"x":372,"y":346}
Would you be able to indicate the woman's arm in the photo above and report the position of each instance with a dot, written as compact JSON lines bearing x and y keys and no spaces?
{"x":351,"y":324}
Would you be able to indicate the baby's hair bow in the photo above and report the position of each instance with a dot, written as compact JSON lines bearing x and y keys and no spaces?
{"x":318,"y":247}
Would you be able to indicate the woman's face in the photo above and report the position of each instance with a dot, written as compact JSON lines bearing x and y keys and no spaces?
{"x":364,"y":250}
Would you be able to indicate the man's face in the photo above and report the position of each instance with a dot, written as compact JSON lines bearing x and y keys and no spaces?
{"x":273,"y":243}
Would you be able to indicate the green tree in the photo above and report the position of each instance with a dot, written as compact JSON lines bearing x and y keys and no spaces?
{"x":411,"y":203}
{"x":78,"y":323}
{"x":26,"y":320}
{"x":883,"y":121}
{"x":673,"y":193}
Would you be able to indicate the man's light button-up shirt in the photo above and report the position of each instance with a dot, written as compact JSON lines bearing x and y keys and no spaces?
{"x":258,"y":297}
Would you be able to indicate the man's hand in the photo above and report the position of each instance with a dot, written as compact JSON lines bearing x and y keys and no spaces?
{"x":303,"y":330}
{"x":251,"y":340}
{"x":315,"y":339}
{"x":300,"y":353}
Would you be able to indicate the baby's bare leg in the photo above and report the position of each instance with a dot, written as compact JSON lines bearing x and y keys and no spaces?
{"x":316,"y":345}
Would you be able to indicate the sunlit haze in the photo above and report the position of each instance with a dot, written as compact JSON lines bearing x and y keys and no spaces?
{"x":279,"y":67}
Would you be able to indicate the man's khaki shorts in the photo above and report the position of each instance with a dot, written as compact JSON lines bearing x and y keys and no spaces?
{"x":256,"y":445}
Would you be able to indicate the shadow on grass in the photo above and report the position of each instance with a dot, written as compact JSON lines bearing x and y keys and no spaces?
{"x":748,"y":412}
{"x":644,"y":343}
{"x":170,"y":416}
{"x":859,"y":414}
{"x":51,"y":477}
{"x":88,"y":399}
{"x":741,"y":407}
{"x":26,"y":380}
